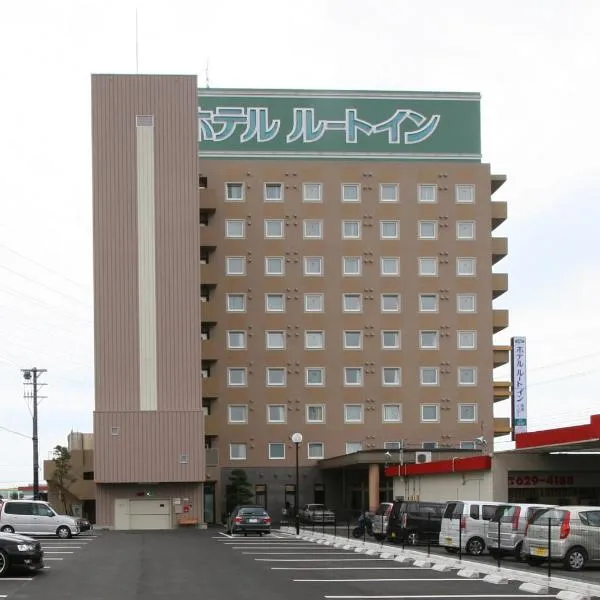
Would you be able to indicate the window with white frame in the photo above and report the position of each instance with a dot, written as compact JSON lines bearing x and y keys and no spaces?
{"x":430,"y":413}
{"x":353,"y":413}
{"x":316,"y":450}
{"x":276,"y":450}
{"x":350,"y":192}
{"x":274,"y":229}
{"x":275,"y":340}
{"x":352,"y":340}
{"x":313,"y":266}
{"x":428,"y":230}
{"x":235,"y":265}
{"x":312,"y":192}
{"x":391,"y":376}
{"x":429,"y":445}
{"x":465,"y":267}
{"x":466,"y":303}
{"x":392,"y":413}
{"x":353,"y":376}
{"x":390,"y":340}
{"x":352,"y":302}
{"x":275,"y":303}
{"x":236,"y":302}
{"x":467,"y":340}
{"x":312,"y":229}
{"x":352,"y":447}
{"x":315,"y":413}
{"x":427,"y":192}
{"x":392,"y":445}
{"x":388,"y":192}
{"x":314,"y":340}
{"x":465,"y":194}
{"x":276,"y":413}
{"x":428,"y":340}
{"x":390,"y":302}
{"x":236,"y":340}
{"x":273,"y":192}
{"x":351,"y":230}
{"x":235,"y":228}
{"x":389,"y":230}
{"x":428,"y":303}
{"x":234,"y":192}
{"x":390,"y":266}
{"x":274,"y":265}
{"x":467,"y":376}
{"x":467,"y":413}
{"x":428,"y":267}
{"x":275,"y":376}
{"x":467,"y":445}
{"x":351,"y":265}
{"x":236,"y":376}
{"x":465,"y":230}
{"x":315,"y":376}
{"x":237,"y":413}
{"x":429,"y":375}
{"x":237,"y":451}
{"x":314,"y":303}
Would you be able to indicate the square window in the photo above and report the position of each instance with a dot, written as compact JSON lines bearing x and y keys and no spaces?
{"x":428,"y":230}
{"x":465,"y":267}
{"x":274,"y":229}
{"x":428,"y":340}
{"x":236,"y":302}
{"x":428,"y":267}
{"x":353,"y":413}
{"x":353,"y":376}
{"x":466,"y":303}
{"x":275,"y":302}
{"x":429,"y":445}
{"x":314,"y":340}
{"x":467,"y":340}
{"x":237,"y":451}
{"x":236,"y":376}
{"x":390,"y":340}
{"x":352,"y":302}
{"x":352,"y":447}
{"x":275,"y":340}
{"x":314,"y":302}
{"x":467,"y":413}
{"x":351,"y":230}
{"x":236,"y":340}
{"x":273,"y":192}
{"x":235,"y":265}
{"x":315,"y":376}
{"x":313,"y":266}
{"x":316,"y":450}
{"x":390,"y":266}
{"x":352,"y":340}
{"x":390,"y":303}
{"x":391,"y":376}
{"x":465,"y":230}
{"x":311,"y":192}
{"x":315,"y":413}
{"x":275,"y":376}
{"x":392,"y":445}
{"x":392,"y":413}
{"x":427,"y":192}
{"x":237,"y":413}
{"x":352,"y":265}
{"x":350,"y":192}
{"x":276,"y":450}
{"x":274,"y":265}
{"x":429,"y":375}
{"x":313,"y":229}
{"x":234,"y":192}
{"x":388,"y":192}
{"x":465,"y":194}
{"x":467,"y":376}
{"x":468,"y":445}
{"x":235,"y":228}
{"x":430,"y":413}
{"x":428,"y":302}
{"x":389,"y":230}
{"x":276,"y":413}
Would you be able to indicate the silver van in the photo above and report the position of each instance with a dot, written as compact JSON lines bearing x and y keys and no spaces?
{"x":34,"y":517}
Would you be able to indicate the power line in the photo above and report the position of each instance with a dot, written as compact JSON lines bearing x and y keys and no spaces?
{"x":15,"y":432}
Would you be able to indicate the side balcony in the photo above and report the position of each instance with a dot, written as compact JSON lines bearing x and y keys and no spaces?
{"x":501,"y":390}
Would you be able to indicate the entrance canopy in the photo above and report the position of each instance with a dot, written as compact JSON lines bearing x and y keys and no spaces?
{"x":577,"y":438}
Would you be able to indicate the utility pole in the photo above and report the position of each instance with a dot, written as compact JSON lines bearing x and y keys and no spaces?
{"x":31,"y":377}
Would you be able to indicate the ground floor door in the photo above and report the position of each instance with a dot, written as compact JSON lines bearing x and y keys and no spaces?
{"x":142,"y":514}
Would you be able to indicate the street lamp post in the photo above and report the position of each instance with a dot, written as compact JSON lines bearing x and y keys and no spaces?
{"x":297,"y":439}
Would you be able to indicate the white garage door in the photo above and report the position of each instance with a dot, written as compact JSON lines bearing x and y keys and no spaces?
{"x":147,"y":514}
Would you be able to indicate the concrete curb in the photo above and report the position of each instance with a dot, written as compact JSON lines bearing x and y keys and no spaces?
{"x":468,"y":574}
{"x":534,"y":588}
{"x":565,"y":595}
{"x":496,"y":579}
{"x":441,"y":568}
{"x":423,"y":564}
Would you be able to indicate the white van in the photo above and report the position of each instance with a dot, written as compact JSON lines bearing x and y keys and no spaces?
{"x":465,"y":524}
{"x":34,"y":517}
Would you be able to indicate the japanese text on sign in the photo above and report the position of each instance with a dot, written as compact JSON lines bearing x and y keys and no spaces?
{"x":519,"y":384}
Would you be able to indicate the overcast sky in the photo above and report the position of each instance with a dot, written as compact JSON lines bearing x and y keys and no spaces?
{"x":536,"y":64}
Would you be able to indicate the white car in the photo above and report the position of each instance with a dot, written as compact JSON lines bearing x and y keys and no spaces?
{"x":34,"y":517}
{"x":317,"y":513}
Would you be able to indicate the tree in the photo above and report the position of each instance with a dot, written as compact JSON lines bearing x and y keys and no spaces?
{"x":239,"y":490}
{"x":13,"y":496}
{"x":62,"y":477}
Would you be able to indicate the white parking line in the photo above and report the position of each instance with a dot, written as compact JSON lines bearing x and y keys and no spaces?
{"x":44,"y":547}
{"x":299,"y":553}
{"x":445,"y":596}
{"x":54,"y":552}
{"x":234,"y":547}
{"x":48,"y":558}
{"x":355,"y":568}
{"x":16,"y":579}
{"x":377,"y":580}
{"x":317,"y":559}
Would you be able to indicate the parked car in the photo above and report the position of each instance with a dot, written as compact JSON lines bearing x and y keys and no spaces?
{"x":380,"y":520}
{"x":249,"y":518}
{"x":19,"y":551}
{"x":415,"y":522}
{"x":511,"y":521}
{"x":84,"y":524}
{"x":35,"y":517}
{"x":465,"y":525}
{"x":574,"y":533}
{"x":316,"y":513}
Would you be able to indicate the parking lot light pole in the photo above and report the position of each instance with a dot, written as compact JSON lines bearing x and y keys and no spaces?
{"x":297,"y":439}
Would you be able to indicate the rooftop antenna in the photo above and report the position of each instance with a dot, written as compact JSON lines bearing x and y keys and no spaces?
{"x":206,"y":78}
{"x":137,"y":50}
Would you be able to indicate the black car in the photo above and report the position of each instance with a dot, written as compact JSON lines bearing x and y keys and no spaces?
{"x":84,"y":524}
{"x":249,"y":518}
{"x":19,"y":551}
{"x":415,"y":522}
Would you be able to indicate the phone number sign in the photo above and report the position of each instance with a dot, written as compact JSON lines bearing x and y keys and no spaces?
{"x":525,"y":480}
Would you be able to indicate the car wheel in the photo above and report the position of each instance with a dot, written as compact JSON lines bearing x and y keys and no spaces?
{"x":63,"y":532}
{"x":575,"y":559}
{"x":8,"y":529}
{"x":475,"y":546}
{"x":412,"y":538}
{"x":4,"y":564}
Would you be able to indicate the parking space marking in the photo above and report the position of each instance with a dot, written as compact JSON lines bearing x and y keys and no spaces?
{"x":382,"y":580}
{"x":54,"y":552}
{"x":444,"y":596}
{"x":318,"y":559}
{"x":56,"y":547}
{"x":355,"y":568}
{"x":298,"y":553}
{"x":48,"y":558}
{"x":16,"y":579}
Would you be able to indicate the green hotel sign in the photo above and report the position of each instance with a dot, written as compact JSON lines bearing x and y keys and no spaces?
{"x":344,"y":125}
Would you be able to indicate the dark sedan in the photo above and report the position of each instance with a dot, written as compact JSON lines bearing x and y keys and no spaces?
{"x":249,"y":519}
{"x":19,"y":551}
